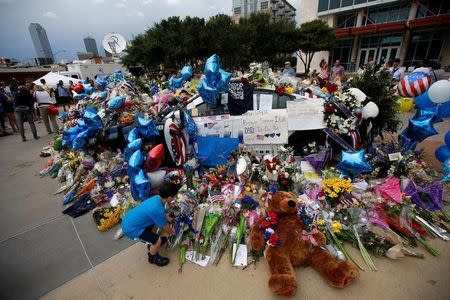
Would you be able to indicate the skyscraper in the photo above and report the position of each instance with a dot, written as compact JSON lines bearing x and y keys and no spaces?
{"x":278,"y":9}
{"x":91,"y":45}
{"x":41,"y":44}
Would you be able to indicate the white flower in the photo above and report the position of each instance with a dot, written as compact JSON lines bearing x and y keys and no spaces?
{"x":286,"y":174}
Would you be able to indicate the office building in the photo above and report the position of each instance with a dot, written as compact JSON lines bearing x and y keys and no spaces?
{"x":91,"y":45}
{"x":278,"y":9}
{"x":44,"y":54}
{"x":382,"y":30}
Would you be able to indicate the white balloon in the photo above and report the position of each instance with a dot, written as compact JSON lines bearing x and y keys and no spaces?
{"x":157,"y":178}
{"x":358,"y":94}
{"x":370,"y":110}
{"x":439,"y":92}
{"x":241,"y":166}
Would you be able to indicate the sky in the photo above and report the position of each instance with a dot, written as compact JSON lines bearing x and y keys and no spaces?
{"x":67,"y":22}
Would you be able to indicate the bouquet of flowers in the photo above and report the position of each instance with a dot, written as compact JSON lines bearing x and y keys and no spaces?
{"x":336,"y":190}
{"x":340,"y":121}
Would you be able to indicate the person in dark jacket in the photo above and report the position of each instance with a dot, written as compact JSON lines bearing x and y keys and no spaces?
{"x":23,"y":108}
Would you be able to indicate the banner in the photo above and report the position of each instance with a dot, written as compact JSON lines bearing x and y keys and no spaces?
{"x":265,"y":127}
{"x":305,"y":115}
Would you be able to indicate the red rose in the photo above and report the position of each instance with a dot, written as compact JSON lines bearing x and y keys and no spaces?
{"x":265,"y":224}
{"x":282,"y":176}
{"x":321,"y":194}
{"x":330,"y":109}
{"x":284,"y":182}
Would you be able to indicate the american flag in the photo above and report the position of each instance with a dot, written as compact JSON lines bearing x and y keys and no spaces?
{"x":414,"y":84}
{"x":260,"y":137}
{"x":216,"y":198}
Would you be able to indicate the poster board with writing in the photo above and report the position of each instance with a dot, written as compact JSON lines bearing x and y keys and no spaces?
{"x":265,"y":127}
{"x":305,"y":114}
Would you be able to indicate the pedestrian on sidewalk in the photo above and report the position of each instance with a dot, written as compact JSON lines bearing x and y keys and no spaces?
{"x":23,"y":106}
{"x":141,"y":222}
{"x":8,"y":108}
{"x":43,"y":101}
{"x":62,"y":97}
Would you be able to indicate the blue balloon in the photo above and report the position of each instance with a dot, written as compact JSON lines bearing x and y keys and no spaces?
{"x":216,"y":80}
{"x":406,"y":142}
{"x":447,"y":138}
{"x":353,"y":163}
{"x":419,"y":130}
{"x":444,"y":110}
{"x":147,"y":128}
{"x":190,"y":126}
{"x":118,"y":75}
{"x":425,"y":113}
{"x":133,"y":135}
{"x":116,"y":102}
{"x":80,"y":96}
{"x":446,"y":167}
{"x":102,"y":96}
{"x":423,"y":101}
{"x":101,"y":82}
{"x":136,"y":159}
{"x":63,"y":116}
{"x":88,"y":89}
{"x":80,"y":141}
{"x":186,"y":72}
{"x":92,"y":119}
{"x":175,"y":83}
{"x":442,"y":153}
{"x":140,"y":186}
{"x":154,"y":90}
{"x":132,"y":147}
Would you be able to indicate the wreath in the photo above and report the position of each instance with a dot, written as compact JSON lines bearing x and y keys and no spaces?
{"x":341,"y":111}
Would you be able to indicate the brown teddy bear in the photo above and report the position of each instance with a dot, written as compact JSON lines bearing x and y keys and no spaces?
{"x":289,"y":247}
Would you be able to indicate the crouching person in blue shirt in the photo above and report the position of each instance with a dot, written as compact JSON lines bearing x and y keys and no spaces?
{"x":141,"y":222}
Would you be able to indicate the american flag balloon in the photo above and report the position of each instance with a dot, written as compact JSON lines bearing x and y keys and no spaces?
{"x":414,"y":84}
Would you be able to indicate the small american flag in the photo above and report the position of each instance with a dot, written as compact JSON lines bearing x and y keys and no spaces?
{"x":216,"y":198}
{"x":260,"y":137}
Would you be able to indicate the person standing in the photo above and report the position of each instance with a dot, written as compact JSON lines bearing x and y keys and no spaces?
{"x":288,"y":71}
{"x":23,"y":106}
{"x":322,"y":77}
{"x":8,"y":109}
{"x":396,"y":71}
{"x":337,"y":71}
{"x":43,"y":101}
{"x":352,"y":66}
{"x":63,"y":98}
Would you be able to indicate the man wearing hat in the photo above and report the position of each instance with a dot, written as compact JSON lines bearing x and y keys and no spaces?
{"x":288,"y":70}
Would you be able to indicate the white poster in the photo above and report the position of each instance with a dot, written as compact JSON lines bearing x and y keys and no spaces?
{"x":265,"y":101}
{"x":265,"y":127}
{"x":305,"y":114}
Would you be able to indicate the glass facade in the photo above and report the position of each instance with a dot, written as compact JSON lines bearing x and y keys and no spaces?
{"x":346,"y":21}
{"x":335,"y":4}
{"x":433,"y":7}
{"x":425,"y":44}
{"x":388,"y":14}
{"x":342,"y":51}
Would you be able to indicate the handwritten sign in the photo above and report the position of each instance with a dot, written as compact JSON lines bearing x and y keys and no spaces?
{"x":265,"y":127}
{"x":305,"y":114}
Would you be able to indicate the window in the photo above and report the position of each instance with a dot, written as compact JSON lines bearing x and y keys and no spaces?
{"x":264,"y":5}
{"x":335,"y":4}
{"x":346,"y":21}
{"x":425,"y":44}
{"x":237,"y":10}
{"x":346,"y":3}
{"x":343,"y":51}
{"x":323,"y":5}
{"x":387,"y":14}
{"x":433,"y":7}
{"x":360,"y":1}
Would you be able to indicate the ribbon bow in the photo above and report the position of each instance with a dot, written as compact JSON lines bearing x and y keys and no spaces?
{"x":309,"y":236}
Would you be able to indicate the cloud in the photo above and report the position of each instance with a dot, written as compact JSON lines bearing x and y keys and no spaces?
{"x":172,"y":2}
{"x":119,"y":5}
{"x":147,"y":2}
{"x":135,"y":13}
{"x":50,"y":15}
{"x":98,"y":1}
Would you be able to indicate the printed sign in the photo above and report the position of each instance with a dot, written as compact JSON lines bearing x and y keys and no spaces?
{"x":305,"y":114}
{"x":265,"y":127}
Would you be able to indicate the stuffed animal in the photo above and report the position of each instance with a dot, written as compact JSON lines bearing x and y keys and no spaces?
{"x":288,"y":245}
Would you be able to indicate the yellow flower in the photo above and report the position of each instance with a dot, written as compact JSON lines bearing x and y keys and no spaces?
{"x":289,"y":90}
{"x":336,"y":227}
{"x":320,"y":222}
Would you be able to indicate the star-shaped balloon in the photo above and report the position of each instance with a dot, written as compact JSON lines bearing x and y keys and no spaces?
{"x":426,"y":113}
{"x":216,"y":80}
{"x":420,"y":129}
{"x":353,"y":163}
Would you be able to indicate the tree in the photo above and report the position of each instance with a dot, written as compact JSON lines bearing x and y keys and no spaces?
{"x":313,"y":37}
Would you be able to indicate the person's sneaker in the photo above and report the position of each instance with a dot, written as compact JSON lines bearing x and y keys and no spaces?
{"x":37,"y":137}
{"x":24,"y":139}
{"x":158,"y":260}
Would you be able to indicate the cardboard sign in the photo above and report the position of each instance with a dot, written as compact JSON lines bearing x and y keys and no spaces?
{"x":305,"y":114}
{"x":265,"y":127}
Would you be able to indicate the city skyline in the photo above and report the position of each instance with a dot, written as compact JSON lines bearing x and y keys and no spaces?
{"x":67,"y":23}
